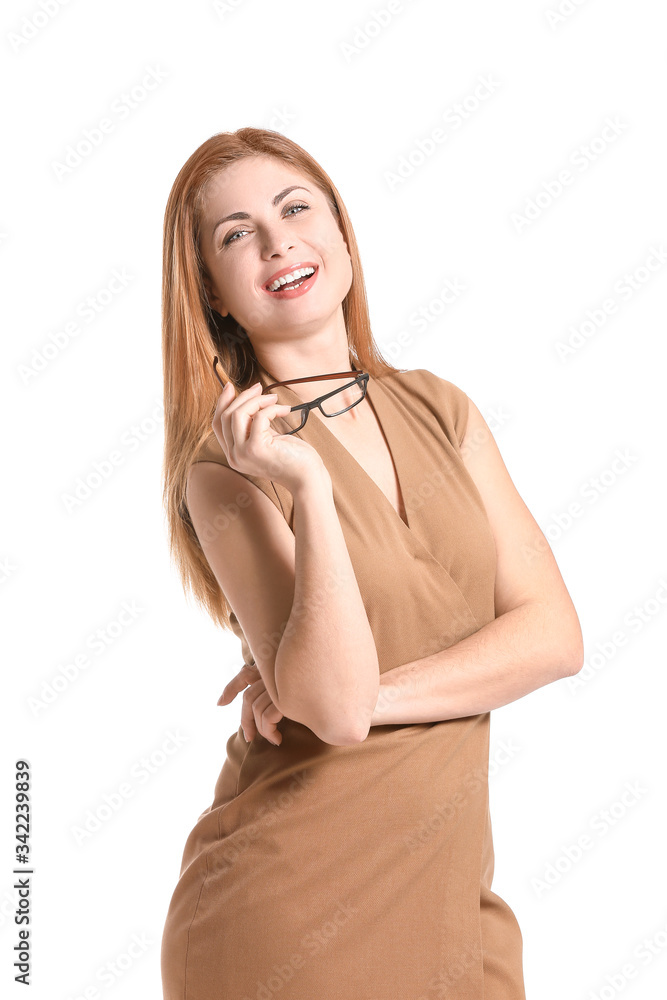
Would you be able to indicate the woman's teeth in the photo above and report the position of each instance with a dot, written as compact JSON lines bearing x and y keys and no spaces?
{"x":291,"y":279}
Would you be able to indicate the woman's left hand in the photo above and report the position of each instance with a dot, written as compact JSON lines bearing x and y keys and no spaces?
{"x":258,"y":713}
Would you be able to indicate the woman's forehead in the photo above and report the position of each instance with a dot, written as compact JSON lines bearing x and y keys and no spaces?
{"x":248,"y":173}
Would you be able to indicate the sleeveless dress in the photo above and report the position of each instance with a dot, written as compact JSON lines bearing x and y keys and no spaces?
{"x":363,"y":872}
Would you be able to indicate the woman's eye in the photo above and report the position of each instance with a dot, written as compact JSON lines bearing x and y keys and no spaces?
{"x":232,"y":235}
{"x":298,"y":205}
{"x":288,"y":211}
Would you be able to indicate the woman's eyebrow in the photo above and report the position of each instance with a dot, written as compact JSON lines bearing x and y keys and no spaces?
{"x":244,"y":215}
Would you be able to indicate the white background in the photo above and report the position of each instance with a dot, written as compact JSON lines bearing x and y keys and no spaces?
{"x":361,"y":99}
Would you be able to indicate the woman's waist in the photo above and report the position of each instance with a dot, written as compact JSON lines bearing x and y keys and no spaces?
{"x":420,"y":761}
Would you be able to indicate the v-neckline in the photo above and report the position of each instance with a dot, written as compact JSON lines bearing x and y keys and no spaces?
{"x":384,"y":414}
{"x":402,"y":441}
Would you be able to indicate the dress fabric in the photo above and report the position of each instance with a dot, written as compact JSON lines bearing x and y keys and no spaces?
{"x":363,"y":872}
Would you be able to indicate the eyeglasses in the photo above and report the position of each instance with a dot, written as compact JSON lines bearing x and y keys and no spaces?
{"x":327,"y":404}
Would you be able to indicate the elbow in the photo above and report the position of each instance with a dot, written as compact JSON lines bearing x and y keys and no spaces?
{"x":340,"y":734}
{"x":347,"y":731}
{"x":342,"y":722}
{"x":339,"y":730}
{"x":575,"y":663}
{"x":562,"y":638}
{"x":343,"y":727}
{"x":573,"y":660}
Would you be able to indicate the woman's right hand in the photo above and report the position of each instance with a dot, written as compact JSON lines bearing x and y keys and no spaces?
{"x":258,"y":713}
{"x":241,"y":424}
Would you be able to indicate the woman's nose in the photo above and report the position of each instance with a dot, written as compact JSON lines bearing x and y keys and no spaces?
{"x":274,"y":242}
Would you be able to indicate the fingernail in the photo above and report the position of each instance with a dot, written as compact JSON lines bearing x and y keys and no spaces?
{"x":244,"y":736}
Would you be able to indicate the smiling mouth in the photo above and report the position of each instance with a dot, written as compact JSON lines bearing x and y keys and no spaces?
{"x":288,"y":286}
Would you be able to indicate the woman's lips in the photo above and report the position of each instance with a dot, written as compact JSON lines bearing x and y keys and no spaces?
{"x":293,"y":293}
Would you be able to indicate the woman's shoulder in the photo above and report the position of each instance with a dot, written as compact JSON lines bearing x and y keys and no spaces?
{"x":210,"y":450}
{"x":442,"y":399}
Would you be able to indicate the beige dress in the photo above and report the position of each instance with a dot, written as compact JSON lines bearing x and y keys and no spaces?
{"x":363,"y":872}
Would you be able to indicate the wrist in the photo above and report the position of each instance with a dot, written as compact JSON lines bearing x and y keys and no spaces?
{"x":316,"y":483}
{"x":387,"y":697}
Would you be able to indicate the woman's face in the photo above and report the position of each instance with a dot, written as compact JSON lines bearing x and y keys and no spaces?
{"x":279,"y":229}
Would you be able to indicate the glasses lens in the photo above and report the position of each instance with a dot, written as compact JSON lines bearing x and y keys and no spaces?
{"x":348,"y":396}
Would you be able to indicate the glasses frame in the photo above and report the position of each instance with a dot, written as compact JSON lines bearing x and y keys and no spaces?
{"x":360,"y":379}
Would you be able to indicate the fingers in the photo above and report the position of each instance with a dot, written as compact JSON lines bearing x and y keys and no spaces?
{"x":246,"y":675}
{"x":266,"y":716}
{"x":260,"y":715}
{"x":261,"y":421}
{"x":248,"y":721}
{"x":231,"y":690}
{"x":228,"y":401}
{"x":258,"y":411}
{"x":234,"y":414}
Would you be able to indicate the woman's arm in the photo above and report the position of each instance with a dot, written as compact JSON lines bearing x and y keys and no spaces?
{"x":326,"y":665}
{"x":295,"y":596}
{"x":513,"y":655}
{"x":536,"y":636}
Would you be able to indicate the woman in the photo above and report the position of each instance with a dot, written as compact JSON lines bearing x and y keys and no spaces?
{"x":389,"y":588}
